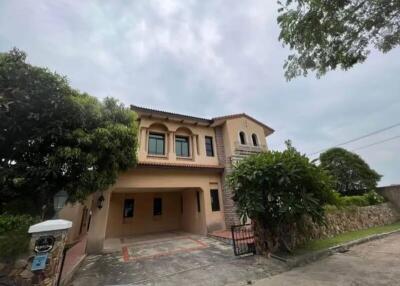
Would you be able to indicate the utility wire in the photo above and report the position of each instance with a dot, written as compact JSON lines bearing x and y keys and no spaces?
{"x":370,"y":145}
{"x":376,"y":143}
{"x":358,"y":138}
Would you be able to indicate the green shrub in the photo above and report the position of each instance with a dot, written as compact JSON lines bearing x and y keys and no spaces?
{"x":359,"y":201}
{"x":374,"y":198}
{"x":368,"y":199}
{"x":15,"y":222}
{"x":14,"y":237}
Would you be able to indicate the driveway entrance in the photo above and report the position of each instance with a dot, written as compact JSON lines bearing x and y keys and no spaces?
{"x":172,"y":258}
{"x":154,"y":245}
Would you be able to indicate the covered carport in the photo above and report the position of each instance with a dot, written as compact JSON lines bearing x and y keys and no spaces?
{"x":136,"y":212}
{"x":152,"y":200}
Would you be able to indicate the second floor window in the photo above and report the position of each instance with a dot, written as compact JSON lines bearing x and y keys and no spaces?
{"x":209,"y":146}
{"x":182,"y":146}
{"x":255,"y":139}
{"x":242,"y":138}
{"x":156,"y":144}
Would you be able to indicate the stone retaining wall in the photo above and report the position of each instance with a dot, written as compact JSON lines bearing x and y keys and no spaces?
{"x":348,"y":219}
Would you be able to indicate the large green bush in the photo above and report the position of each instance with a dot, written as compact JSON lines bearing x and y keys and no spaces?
{"x":276,"y":190}
{"x":14,"y":237}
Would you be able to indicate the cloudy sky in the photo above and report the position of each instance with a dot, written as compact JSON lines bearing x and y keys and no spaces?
{"x":210,"y":58}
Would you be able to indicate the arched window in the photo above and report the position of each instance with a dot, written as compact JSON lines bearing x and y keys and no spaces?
{"x":255,"y":139}
{"x":242,"y":138}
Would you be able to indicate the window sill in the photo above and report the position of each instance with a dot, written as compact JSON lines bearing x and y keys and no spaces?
{"x":184,"y":158}
{"x":157,"y":156}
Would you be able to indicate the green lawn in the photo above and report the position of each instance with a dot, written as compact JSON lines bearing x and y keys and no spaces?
{"x":320,"y":244}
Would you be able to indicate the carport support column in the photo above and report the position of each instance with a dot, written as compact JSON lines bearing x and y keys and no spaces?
{"x":98,"y":223}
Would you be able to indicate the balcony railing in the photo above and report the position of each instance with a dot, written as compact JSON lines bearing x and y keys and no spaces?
{"x":250,"y":148}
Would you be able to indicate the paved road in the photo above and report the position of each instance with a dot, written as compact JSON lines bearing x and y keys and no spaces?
{"x":373,"y":263}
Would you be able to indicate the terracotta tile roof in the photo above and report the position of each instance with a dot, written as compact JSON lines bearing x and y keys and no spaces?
{"x":169,"y":114}
{"x":232,"y":116}
{"x":211,"y":121}
{"x":180,"y":165}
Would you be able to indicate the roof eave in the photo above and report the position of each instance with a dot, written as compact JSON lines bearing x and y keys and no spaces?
{"x":147,"y":112}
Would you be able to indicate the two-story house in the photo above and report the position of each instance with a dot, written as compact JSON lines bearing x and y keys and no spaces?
{"x":178,"y":183}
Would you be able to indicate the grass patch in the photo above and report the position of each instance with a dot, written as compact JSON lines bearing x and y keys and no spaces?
{"x":320,"y":244}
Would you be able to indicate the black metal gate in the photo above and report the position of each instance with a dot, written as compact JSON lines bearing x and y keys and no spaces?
{"x":243,"y":239}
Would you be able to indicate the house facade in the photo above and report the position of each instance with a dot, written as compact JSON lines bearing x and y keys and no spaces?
{"x":178,"y":183}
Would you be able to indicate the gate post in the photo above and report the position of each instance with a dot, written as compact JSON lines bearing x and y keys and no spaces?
{"x":47,"y":244}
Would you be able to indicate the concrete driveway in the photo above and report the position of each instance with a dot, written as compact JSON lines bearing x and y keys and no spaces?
{"x":374,"y":263}
{"x":179,"y":259}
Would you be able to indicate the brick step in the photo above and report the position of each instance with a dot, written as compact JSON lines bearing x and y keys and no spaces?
{"x":223,"y":236}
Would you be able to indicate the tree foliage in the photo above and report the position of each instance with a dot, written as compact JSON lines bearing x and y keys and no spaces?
{"x":54,"y":138}
{"x":352,"y":175}
{"x":336,"y":34}
{"x":277,"y":189}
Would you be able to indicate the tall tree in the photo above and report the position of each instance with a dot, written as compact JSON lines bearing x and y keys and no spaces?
{"x":336,"y":34}
{"x":54,"y":138}
{"x":351,"y":173}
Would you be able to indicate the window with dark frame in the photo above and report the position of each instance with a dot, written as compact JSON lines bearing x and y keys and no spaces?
{"x":214,"y":200}
{"x":242,"y":138}
{"x":157,"y":206}
{"x":182,"y":146}
{"x":181,"y":204}
{"x":209,"y":146}
{"x":198,"y":201}
{"x":156,"y":144}
{"x":255,"y":139}
{"x":129,"y":208}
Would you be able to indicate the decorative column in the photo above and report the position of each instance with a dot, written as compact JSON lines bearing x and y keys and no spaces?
{"x":171,"y":145}
{"x":47,"y":246}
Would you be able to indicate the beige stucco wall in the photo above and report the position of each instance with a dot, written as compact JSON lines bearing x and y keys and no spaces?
{"x":196,"y":136}
{"x":151,"y":179}
{"x":173,"y":217}
{"x":231,"y":130}
{"x":73,"y":213}
{"x":191,"y":220}
{"x":143,"y":220}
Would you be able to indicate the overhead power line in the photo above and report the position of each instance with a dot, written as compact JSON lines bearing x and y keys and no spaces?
{"x":358,"y":138}
{"x":376,"y":143}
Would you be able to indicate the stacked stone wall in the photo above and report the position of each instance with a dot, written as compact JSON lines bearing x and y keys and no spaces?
{"x":343,"y":220}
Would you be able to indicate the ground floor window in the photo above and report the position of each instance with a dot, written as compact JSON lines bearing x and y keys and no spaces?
{"x":214,"y":200}
{"x":181,"y":204}
{"x":129,"y":205}
{"x":157,"y":206}
{"x":198,"y":201}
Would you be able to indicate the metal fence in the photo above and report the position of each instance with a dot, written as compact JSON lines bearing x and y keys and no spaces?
{"x":243,"y":239}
